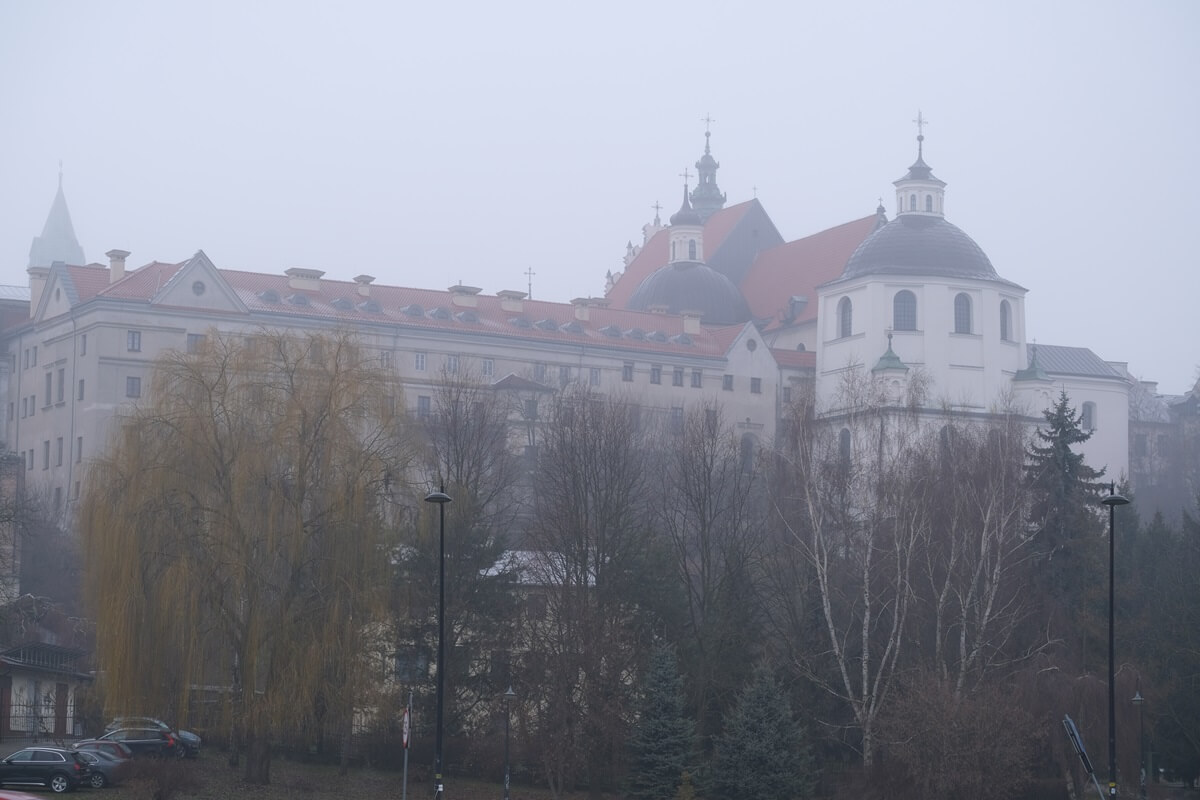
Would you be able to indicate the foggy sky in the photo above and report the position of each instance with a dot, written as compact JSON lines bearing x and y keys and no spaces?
{"x":432,"y":143}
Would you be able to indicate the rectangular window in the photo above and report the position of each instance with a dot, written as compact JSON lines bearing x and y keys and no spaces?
{"x":194,"y":342}
{"x":451,"y":365}
{"x":756,"y":386}
{"x":627,"y":371}
{"x":489,"y":367}
{"x":28,"y":459}
{"x":133,"y":341}
{"x":539,"y":373}
{"x":33,"y":361}
{"x":24,"y":407}
{"x":46,"y":454}
{"x":531,"y":409}
{"x":677,"y":377}
{"x":424,"y":406}
{"x":419,"y":362}
{"x":32,"y":404}
{"x":710,"y":418}
{"x":83,"y":344}
{"x":57,"y":498}
{"x":727,"y":383}
{"x":25,"y":358}
{"x":594,"y":376}
{"x":697,"y":379}
{"x":79,"y":450}
{"x":62,"y":379}
{"x":76,"y":490}
{"x":677,"y":419}
{"x":81,"y":388}
{"x":385,"y":359}
{"x":564,"y":376}
{"x":58,"y":451}
{"x":49,"y":386}
{"x":11,"y":411}
{"x":656,"y":373}
{"x":133,"y":387}
{"x":787,"y":394}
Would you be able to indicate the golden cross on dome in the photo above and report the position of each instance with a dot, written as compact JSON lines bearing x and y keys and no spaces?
{"x":685,"y":175}
{"x":921,"y":123}
{"x":708,"y":121}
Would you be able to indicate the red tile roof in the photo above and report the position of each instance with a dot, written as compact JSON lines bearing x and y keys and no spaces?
{"x":799,"y":267}
{"x":795,"y":359}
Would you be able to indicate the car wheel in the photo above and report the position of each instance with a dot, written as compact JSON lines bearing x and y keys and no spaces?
{"x":60,"y":783}
{"x":180,"y":751}
{"x":98,"y":780}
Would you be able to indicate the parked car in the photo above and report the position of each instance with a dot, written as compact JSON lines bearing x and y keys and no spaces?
{"x":53,"y":767}
{"x":105,"y":770}
{"x":191,"y":742}
{"x":115,"y":749}
{"x":153,"y":742}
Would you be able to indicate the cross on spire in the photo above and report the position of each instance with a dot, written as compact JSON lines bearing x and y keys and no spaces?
{"x":921,"y":123}
{"x":529,"y":273}
{"x":708,"y":121}
{"x":685,"y":175}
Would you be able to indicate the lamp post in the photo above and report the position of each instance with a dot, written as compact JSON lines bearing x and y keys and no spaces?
{"x":1112,"y":501}
{"x":1138,"y":700}
{"x":441,"y":498}
{"x":509,"y":696}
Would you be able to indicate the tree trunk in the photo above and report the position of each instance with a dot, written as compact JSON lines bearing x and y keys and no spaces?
{"x":258,"y":760}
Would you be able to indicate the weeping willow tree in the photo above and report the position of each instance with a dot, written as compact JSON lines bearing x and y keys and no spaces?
{"x":236,"y":535}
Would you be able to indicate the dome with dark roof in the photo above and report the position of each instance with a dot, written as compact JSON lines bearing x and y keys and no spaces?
{"x":915,"y":244}
{"x":692,"y":286}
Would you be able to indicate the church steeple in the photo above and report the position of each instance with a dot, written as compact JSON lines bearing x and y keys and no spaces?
{"x":707,"y":197}
{"x":687,"y":231}
{"x":57,"y":242}
{"x":919,"y":192}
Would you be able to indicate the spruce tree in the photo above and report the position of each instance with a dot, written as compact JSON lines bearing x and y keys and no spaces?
{"x":763,"y":752}
{"x":660,"y":747}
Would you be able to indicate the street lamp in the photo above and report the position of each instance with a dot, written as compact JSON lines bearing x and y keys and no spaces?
{"x":509,"y":696}
{"x":1138,"y":700}
{"x":1112,"y":501}
{"x":441,"y":498}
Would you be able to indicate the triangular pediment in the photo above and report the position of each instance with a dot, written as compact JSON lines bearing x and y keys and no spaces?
{"x":199,"y":284}
{"x":59,"y":294}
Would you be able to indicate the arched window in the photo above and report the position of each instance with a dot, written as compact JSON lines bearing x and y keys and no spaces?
{"x":929,"y":202}
{"x":844,"y":445}
{"x":904,"y":311}
{"x":845,"y":317}
{"x":1005,"y":321}
{"x":912,"y":202}
{"x":962,"y":313}
{"x":672,"y":251}
{"x":1087,"y":419}
{"x":691,"y":249}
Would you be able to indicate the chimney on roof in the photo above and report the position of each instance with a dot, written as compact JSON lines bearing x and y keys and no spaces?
{"x":584,"y":304}
{"x":510,"y":300}
{"x":691,"y":321}
{"x":464,"y":296}
{"x":116,"y":264}
{"x":37,"y":285}
{"x":364,"y":284}
{"x":302,"y":279}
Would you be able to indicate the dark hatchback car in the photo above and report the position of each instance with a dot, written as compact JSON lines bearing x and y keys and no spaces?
{"x":153,"y":742}
{"x":189,"y":740}
{"x":105,"y":770}
{"x":52,"y":767}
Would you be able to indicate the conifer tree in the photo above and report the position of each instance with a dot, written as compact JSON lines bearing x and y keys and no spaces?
{"x":763,"y":753}
{"x":661,"y":743}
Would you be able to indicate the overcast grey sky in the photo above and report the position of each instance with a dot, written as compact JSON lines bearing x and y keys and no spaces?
{"x":432,"y":143}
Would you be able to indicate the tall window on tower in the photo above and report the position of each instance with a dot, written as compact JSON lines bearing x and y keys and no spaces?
{"x":962,"y":313}
{"x":691,"y":249}
{"x":1005,"y":321}
{"x":845,"y":317}
{"x":904,"y":311}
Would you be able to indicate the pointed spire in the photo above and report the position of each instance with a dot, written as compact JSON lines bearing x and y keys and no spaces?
{"x":707,"y":197}
{"x":57,"y":242}
{"x":1034,"y":371}
{"x":919,"y":192}
{"x":686,"y":215}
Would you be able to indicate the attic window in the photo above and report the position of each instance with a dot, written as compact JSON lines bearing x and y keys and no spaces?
{"x":342,"y":304}
{"x":298,"y":299}
{"x":519,"y":322}
{"x":637,"y":334}
{"x":547,"y":324}
{"x":439,"y":313}
{"x":369,"y":306}
{"x":269,"y":296}
{"x":467,"y":316}
{"x":414,"y":310}
{"x":682,"y":339}
{"x":657,"y":336}
{"x":198,"y":288}
{"x":572,"y":327}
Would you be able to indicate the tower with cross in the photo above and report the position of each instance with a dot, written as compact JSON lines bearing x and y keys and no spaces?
{"x":919,"y":193}
{"x":707,"y":198}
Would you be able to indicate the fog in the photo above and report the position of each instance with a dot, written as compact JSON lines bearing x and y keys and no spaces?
{"x":432,"y":143}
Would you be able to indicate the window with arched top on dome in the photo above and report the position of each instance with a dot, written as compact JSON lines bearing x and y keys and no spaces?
{"x":912,"y":202}
{"x":929,"y":202}
{"x":904,"y":311}
{"x":962,"y":313}
{"x":845,"y":315}
{"x":691,"y":249}
{"x":1005,"y":321}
